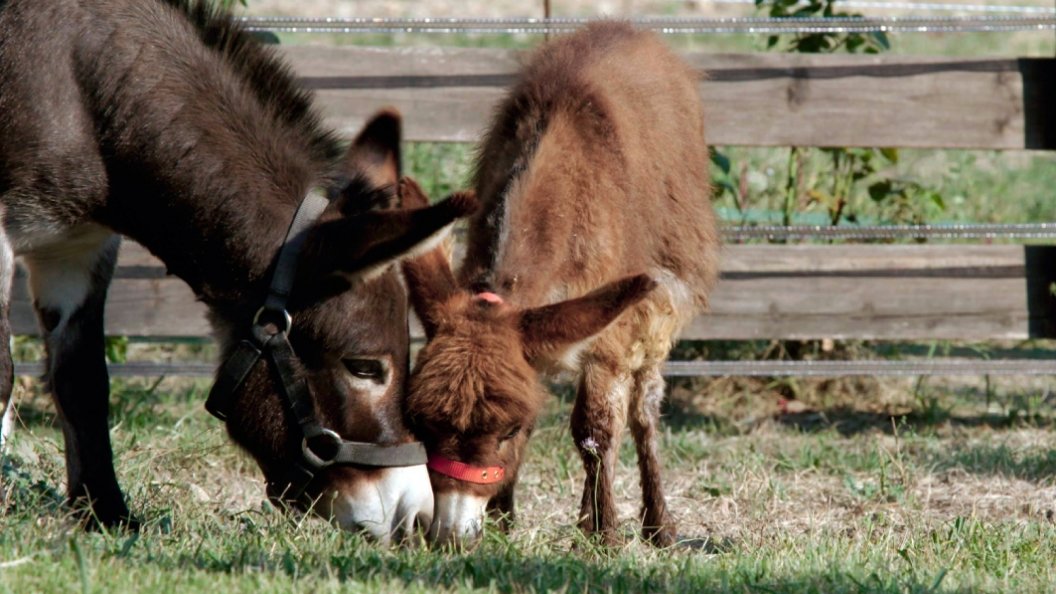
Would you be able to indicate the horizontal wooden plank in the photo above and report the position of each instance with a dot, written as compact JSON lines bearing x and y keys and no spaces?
{"x":898,"y":292}
{"x":447,"y":94}
{"x":882,"y":292}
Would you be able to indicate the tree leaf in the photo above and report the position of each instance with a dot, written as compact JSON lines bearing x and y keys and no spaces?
{"x":721,"y":160}
{"x":880,"y":190}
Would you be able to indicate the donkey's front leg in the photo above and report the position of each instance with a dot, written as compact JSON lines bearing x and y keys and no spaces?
{"x":598,"y":419}
{"x":69,"y":283}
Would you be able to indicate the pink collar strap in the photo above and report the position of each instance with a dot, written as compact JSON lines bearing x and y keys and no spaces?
{"x":481,"y":475}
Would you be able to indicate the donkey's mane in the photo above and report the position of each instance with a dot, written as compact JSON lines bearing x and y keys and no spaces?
{"x":553,"y":82}
{"x":268,"y":76}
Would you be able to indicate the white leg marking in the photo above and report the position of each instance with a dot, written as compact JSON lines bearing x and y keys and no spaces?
{"x":60,"y":273}
{"x":7,"y":423}
{"x":7,"y":273}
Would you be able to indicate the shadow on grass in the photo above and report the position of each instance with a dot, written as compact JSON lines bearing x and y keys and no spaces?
{"x":848,"y":421}
{"x":1000,"y":460}
{"x":20,"y":492}
{"x":512,"y":571}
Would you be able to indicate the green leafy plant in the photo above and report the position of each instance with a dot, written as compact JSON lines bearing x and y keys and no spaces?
{"x":827,"y":42}
{"x":836,"y":180}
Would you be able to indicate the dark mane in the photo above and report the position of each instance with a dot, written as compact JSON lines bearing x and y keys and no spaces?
{"x":268,"y":76}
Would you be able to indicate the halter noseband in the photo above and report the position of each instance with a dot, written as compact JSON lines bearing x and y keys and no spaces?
{"x":320,"y":447}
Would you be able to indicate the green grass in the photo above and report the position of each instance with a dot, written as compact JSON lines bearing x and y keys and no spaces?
{"x":799,"y":502}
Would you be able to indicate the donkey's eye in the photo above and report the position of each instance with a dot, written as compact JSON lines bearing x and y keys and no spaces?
{"x":365,"y":368}
{"x":513,"y":433}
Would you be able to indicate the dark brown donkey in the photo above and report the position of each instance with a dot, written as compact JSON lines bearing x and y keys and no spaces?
{"x":594,"y":170}
{"x":163,"y":121}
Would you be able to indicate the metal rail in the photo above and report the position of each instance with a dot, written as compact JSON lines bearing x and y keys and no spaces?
{"x":882,"y":232}
{"x":976,"y":367}
{"x":948,"y":367}
{"x":927,"y":6}
{"x":734,"y":25}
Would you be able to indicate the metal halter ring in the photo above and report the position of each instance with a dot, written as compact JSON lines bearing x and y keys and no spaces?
{"x":286,"y":318}
{"x":312,"y":458}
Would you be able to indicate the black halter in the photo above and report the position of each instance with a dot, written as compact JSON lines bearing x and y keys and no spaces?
{"x":320,"y":447}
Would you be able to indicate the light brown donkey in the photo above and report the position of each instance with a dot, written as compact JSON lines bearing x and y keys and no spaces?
{"x":594,"y":245}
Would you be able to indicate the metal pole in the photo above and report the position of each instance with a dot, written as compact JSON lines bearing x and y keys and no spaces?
{"x":546,"y":15}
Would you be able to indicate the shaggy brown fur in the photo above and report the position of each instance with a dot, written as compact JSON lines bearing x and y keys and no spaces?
{"x":595,"y":169}
{"x":162,"y":120}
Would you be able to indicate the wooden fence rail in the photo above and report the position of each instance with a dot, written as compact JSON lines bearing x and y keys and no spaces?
{"x":752,"y":99}
{"x":898,"y":292}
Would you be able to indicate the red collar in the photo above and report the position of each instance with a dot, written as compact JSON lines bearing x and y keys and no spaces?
{"x":482,"y":475}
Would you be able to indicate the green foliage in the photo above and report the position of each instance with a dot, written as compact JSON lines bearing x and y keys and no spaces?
{"x":832,"y":187}
{"x":116,"y":349}
{"x":815,"y":43}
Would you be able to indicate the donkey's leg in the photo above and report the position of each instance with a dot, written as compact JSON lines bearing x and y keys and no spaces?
{"x":598,"y":420}
{"x":69,"y":283}
{"x":7,"y":406}
{"x":646,"y":397}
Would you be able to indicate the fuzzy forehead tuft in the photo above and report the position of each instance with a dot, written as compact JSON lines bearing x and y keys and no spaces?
{"x":472,"y":377}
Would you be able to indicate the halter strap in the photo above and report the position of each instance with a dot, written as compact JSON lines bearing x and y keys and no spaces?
{"x":320,"y":447}
{"x":481,"y":475}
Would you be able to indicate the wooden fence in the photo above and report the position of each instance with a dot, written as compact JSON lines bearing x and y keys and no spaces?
{"x":910,"y":292}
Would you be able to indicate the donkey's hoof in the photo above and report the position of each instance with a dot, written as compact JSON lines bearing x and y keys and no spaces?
{"x":126,"y":523}
{"x":98,"y":516}
{"x":604,"y":538}
{"x":661,"y":537}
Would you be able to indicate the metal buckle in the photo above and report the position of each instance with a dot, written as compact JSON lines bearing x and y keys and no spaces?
{"x":314,"y":459}
{"x":284,"y":316}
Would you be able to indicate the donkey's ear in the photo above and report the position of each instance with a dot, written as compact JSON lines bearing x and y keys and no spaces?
{"x":430,"y":280}
{"x":375,"y":153}
{"x":367,"y":243}
{"x":548,"y":332}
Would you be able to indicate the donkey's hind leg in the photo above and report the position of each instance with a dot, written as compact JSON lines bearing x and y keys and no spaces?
{"x":69,"y":283}
{"x":7,"y":406}
{"x":646,"y":396}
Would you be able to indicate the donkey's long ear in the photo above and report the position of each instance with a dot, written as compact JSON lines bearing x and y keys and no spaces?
{"x":548,"y":331}
{"x":375,"y":153}
{"x":430,"y":280}
{"x":369,"y":242}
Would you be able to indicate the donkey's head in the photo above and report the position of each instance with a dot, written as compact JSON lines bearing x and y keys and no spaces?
{"x":326,"y":367}
{"x":475,"y":392}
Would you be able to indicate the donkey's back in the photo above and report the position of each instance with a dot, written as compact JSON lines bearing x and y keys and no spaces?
{"x":597,"y":159}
